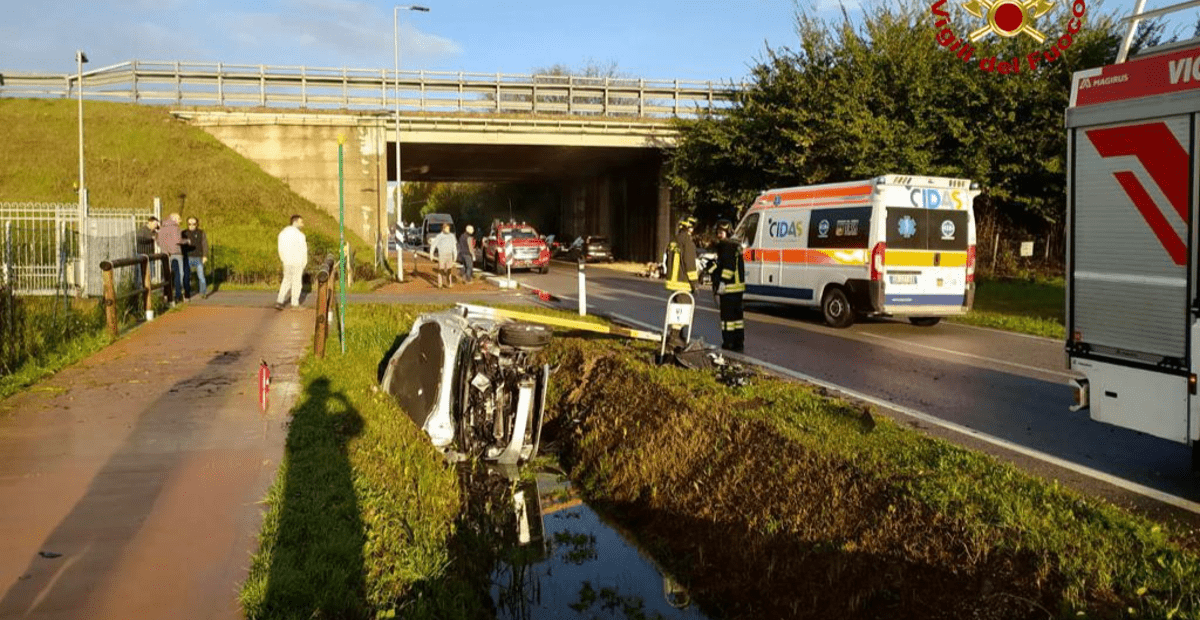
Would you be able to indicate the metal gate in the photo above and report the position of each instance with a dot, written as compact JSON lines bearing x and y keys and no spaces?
{"x":41,"y":250}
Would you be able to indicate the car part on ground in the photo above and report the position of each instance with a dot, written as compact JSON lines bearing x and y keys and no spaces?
{"x":472,"y":384}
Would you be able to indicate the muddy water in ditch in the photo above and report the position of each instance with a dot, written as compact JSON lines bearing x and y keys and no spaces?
{"x":573,"y":564}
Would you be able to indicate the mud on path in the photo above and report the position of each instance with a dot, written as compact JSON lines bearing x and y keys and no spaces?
{"x":130,"y":482}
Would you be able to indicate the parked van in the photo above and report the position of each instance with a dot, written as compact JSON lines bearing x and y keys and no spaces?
{"x":431,"y":227}
{"x":889,"y":246}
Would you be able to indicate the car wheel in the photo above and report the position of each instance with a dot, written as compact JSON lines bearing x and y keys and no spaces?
{"x":924,"y":321}
{"x":525,"y":335}
{"x":836,"y":308}
{"x":545,"y":268}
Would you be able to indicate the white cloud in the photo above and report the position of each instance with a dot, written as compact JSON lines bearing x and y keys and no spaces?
{"x":334,"y":33}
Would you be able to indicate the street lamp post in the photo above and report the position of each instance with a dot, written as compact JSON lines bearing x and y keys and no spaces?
{"x":81,"y":58}
{"x":399,"y":190}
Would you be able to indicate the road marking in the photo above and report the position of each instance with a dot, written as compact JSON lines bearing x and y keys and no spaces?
{"x":907,"y":343}
{"x":1155,"y":494}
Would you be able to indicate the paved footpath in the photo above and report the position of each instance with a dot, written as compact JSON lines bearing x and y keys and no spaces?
{"x":130,"y":483}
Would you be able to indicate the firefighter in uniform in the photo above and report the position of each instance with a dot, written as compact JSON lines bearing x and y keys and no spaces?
{"x":729,"y":282}
{"x":681,"y":272}
{"x":681,"y":259}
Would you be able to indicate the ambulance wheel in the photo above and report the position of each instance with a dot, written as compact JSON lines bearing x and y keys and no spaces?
{"x":924,"y":321}
{"x":836,"y":308}
{"x":527,"y":335}
{"x":545,"y":269}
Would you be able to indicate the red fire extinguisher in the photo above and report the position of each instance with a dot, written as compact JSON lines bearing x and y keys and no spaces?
{"x":264,"y":384}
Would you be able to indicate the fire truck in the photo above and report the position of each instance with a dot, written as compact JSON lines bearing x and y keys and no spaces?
{"x":1132,"y":302}
{"x":519,"y":246}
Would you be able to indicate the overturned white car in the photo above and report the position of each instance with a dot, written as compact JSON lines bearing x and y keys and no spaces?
{"x":471,"y":384}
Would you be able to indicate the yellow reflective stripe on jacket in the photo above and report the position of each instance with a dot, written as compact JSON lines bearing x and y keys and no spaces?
{"x":728,"y":326}
{"x":735,"y":288}
{"x":693,"y":275}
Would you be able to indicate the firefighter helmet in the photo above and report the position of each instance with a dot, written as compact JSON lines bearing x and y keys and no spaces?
{"x":725,"y":226}
{"x":687,"y":222}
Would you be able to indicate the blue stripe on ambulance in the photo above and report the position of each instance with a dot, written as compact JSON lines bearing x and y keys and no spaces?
{"x":779,"y":291}
{"x":924,"y":300}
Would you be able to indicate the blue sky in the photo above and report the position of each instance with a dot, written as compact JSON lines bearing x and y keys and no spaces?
{"x":683,"y":39}
{"x":661,"y":39}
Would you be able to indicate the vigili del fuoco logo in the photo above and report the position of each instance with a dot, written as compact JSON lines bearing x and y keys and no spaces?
{"x":1008,"y":19}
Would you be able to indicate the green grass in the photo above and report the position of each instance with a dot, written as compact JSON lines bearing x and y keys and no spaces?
{"x":136,"y":152}
{"x":764,"y":499}
{"x":363,"y":509}
{"x":41,"y":337}
{"x":1030,"y":307}
{"x":843,"y":510}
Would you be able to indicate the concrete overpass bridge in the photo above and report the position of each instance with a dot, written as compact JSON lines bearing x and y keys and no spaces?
{"x":599,"y":141}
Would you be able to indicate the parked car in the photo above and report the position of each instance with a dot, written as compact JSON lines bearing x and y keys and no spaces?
{"x":592,"y":248}
{"x":471,"y":383}
{"x":529,"y":250}
{"x":431,"y":226}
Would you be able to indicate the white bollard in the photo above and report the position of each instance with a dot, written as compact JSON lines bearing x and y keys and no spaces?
{"x":582,"y":290}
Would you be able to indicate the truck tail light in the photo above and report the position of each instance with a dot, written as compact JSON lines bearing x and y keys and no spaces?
{"x":877,"y":261}
{"x":970,"y":264}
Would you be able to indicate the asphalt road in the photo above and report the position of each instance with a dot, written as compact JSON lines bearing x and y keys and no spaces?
{"x":1009,"y":386}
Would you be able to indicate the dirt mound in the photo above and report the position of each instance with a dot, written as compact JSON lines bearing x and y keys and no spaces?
{"x":759,"y":526}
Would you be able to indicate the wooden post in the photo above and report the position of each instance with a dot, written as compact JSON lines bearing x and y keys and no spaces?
{"x":110,"y":298}
{"x":322,"y":329}
{"x":995,"y":251}
{"x":146,"y":281}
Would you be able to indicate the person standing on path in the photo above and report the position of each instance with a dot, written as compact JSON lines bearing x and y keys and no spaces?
{"x":445,"y":249}
{"x":195,"y":244}
{"x":169,"y":237}
{"x":144,"y":244}
{"x":466,"y":253}
{"x":293,"y":253}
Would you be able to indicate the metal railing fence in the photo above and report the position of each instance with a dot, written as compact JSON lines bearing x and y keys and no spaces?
{"x":42,"y":254}
{"x":268,"y":86}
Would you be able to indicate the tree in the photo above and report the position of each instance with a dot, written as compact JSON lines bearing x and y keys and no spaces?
{"x":856,"y":101}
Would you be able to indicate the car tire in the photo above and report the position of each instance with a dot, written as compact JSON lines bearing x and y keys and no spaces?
{"x":527,"y":335}
{"x":924,"y":321}
{"x":545,"y":269}
{"x":836,"y":308}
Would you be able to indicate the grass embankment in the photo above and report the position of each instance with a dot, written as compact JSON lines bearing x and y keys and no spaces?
{"x":768,"y":501}
{"x":136,"y":152}
{"x":775,"y":501}
{"x":45,"y":335}
{"x":361,"y":516}
{"x":1030,"y":307}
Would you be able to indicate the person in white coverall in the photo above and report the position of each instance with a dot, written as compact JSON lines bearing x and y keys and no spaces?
{"x":293,"y":253}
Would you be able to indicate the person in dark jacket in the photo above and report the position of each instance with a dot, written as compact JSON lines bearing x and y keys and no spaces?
{"x":144,"y":244}
{"x":681,"y":259}
{"x":466,"y":253}
{"x":729,"y":283}
{"x":195,"y":249}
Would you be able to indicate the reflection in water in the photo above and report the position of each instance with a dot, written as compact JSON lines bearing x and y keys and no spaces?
{"x":568,"y":563}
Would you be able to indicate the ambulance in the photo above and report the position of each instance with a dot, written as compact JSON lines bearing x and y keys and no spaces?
{"x":889,"y":246}
{"x":1132,"y":295}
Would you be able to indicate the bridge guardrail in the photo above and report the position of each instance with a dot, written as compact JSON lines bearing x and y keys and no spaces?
{"x":228,"y":85}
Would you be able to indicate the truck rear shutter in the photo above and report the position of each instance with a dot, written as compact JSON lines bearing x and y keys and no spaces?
{"x":1130,"y":206}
